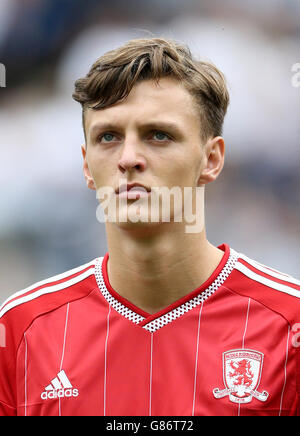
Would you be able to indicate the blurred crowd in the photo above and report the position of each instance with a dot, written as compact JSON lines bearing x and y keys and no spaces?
{"x":48,"y":216}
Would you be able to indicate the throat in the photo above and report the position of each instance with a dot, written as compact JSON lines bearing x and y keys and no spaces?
{"x":153,"y":284}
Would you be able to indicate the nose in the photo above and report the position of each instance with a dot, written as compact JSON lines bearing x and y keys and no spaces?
{"x":131,"y":157}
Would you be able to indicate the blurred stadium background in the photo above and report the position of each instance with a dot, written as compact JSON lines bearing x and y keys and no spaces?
{"x":48,"y":216}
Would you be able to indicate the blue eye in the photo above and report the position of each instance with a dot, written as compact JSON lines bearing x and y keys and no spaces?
{"x":161,"y":136}
{"x":107,"y":137}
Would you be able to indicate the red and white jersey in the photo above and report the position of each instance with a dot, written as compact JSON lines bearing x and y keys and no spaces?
{"x":70,"y":345}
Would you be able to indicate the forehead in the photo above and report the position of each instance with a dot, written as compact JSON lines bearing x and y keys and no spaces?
{"x":166,"y":100}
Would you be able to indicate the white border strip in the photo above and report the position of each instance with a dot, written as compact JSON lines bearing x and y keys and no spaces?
{"x":267,"y":282}
{"x":270,"y":271}
{"x":46,"y":281}
{"x":47,"y":290}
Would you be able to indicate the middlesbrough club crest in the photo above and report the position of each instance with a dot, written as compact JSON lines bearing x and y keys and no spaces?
{"x":241,"y":374}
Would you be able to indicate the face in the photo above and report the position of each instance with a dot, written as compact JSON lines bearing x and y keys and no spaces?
{"x":152,"y":138}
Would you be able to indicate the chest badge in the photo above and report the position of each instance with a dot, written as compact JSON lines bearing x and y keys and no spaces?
{"x":242,"y":370}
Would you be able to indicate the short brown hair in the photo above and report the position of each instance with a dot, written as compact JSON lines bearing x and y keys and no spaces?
{"x":114,"y":74}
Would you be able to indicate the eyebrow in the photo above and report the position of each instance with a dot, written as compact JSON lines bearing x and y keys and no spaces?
{"x":163,"y":125}
{"x":101,"y":126}
{"x":151,"y":125}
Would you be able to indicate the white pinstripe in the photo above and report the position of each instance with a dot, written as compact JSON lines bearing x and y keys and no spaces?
{"x":285,"y":364}
{"x":65,"y":335}
{"x":105,"y":362}
{"x":246,"y":324}
{"x":196,"y":359}
{"x":63,"y":350}
{"x":243,"y":340}
{"x":150,"y":388}
{"x":25,"y":393}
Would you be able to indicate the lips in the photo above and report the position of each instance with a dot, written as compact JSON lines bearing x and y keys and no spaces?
{"x":132,"y":191}
{"x":132,"y":187}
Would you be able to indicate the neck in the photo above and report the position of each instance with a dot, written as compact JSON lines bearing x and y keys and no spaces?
{"x":154,"y":270}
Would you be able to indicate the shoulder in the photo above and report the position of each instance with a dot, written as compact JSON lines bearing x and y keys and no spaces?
{"x":274,"y":289}
{"x":21,"y":308}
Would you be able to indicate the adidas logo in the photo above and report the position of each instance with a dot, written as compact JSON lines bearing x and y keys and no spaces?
{"x":59,"y":387}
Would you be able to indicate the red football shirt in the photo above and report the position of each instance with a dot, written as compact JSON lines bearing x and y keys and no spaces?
{"x":70,"y":345}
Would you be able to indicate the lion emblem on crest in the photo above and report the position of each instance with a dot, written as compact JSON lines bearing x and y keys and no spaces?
{"x":242,"y":372}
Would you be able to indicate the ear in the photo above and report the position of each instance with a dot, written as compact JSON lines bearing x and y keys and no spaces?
{"x":86,"y":171}
{"x":213,"y":161}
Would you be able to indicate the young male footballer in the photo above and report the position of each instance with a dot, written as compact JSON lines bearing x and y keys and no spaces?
{"x":165,"y":324}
